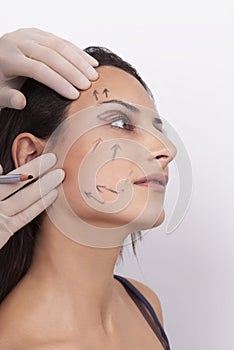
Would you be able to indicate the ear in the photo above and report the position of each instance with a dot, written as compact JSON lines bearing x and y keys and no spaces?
{"x":26,"y":147}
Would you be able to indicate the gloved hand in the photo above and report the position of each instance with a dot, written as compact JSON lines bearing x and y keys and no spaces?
{"x":53,"y":61}
{"x":23,"y":206}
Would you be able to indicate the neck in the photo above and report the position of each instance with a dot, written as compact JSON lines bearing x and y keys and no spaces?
{"x":80,"y":276}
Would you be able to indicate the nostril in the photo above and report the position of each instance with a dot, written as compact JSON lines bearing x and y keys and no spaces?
{"x":161,"y":156}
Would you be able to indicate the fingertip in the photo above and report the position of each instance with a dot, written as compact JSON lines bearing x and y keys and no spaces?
{"x":18,"y":101}
{"x":50,"y":157}
{"x":94,"y":62}
{"x":91,"y":73}
{"x":73,"y":93}
{"x":63,"y":174}
{"x":52,"y":179}
{"x":46,"y":161}
{"x":60,"y":174}
{"x":94,"y":78}
{"x":84,"y":83}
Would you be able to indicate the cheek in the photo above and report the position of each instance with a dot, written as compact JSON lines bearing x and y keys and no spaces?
{"x":108,"y":175}
{"x":74,"y":159}
{"x":111,"y":173}
{"x":71,"y":167}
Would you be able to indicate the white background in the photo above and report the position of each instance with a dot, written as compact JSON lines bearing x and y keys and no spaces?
{"x":184,"y":51}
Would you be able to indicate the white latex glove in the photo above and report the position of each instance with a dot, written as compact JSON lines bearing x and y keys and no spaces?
{"x":23,"y":206}
{"x":53,"y":61}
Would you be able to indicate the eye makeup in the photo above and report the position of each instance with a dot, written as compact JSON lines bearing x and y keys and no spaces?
{"x":129,"y":128}
{"x":116,"y":116}
{"x":124,"y":122}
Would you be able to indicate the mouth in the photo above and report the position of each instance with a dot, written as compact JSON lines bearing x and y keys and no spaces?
{"x":156,"y":181}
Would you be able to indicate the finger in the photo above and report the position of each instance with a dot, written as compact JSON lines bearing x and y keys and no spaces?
{"x":5,"y":231}
{"x":61,"y":65}
{"x":1,"y":169}
{"x":58,"y":44}
{"x":12,"y":98}
{"x":23,"y":218}
{"x":35,"y":167}
{"x":77,"y":57}
{"x":47,"y":76}
{"x":32,"y":193}
{"x":87,"y":57}
{"x":52,"y":41}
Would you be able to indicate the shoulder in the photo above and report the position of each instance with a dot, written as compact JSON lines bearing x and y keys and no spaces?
{"x":150,"y":295}
{"x":17,"y":319}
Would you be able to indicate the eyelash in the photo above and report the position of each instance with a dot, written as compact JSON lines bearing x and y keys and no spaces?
{"x":126,"y":121}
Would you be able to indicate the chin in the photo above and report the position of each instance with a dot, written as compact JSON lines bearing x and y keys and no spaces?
{"x":160,"y":219}
{"x":146,"y":222}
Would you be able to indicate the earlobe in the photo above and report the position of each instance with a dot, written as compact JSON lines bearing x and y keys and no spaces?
{"x":25,"y":148}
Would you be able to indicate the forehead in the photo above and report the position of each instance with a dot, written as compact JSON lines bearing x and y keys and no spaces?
{"x":113,"y":84}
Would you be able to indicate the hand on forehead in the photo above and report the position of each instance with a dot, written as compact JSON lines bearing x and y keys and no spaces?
{"x":113,"y":83}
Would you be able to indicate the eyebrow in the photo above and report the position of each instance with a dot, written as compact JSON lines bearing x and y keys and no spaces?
{"x":131,"y":108}
{"x":125,"y":104}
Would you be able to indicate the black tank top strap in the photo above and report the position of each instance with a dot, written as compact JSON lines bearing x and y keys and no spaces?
{"x":146,"y":309}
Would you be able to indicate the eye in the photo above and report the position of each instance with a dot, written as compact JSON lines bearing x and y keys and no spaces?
{"x":123,"y":124}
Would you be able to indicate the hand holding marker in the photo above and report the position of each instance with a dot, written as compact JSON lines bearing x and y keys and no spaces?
{"x":64,"y":68}
{"x":20,"y":206}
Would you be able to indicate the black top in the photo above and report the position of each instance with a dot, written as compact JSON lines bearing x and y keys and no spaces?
{"x":146,"y":310}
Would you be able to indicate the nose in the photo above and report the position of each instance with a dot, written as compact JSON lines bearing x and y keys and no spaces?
{"x":165,"y":154}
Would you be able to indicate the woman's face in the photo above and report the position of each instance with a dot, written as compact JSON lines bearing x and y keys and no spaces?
{"x":119,"y":141}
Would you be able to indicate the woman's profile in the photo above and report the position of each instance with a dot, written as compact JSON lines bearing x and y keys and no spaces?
{"x":58,"y":293}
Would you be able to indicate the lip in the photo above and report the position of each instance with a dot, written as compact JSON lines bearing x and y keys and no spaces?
{"x":159,"y":184}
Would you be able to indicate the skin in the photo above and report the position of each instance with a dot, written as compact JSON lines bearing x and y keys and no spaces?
{"x":77,"y":300}
{"x":124,"y":87}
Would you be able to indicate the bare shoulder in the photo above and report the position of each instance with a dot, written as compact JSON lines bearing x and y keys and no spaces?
{"x":10,"y":322}
{"x":17,"y":318}
{"x":150,"y":295}
{"x":7,"y":326}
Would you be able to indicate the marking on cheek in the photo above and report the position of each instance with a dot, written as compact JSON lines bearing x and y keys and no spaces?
{"x":108,"y":189}
{"x":116,"y":146}
{"x":105,"y":92}
{"x":89,"y":195}
{"x":130,"y":172}
{"x":97,"y":143}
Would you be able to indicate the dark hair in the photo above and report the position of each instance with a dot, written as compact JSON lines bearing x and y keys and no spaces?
{"x":44,"y":111}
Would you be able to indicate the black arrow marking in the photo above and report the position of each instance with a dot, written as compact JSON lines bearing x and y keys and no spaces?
{"x":95,"y":94}
{"x":89,"y":195}
{"x":116,"y":146}
{"x":97,"y":143}
{"x":108,"y":189}
{"x":105,"y":91}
